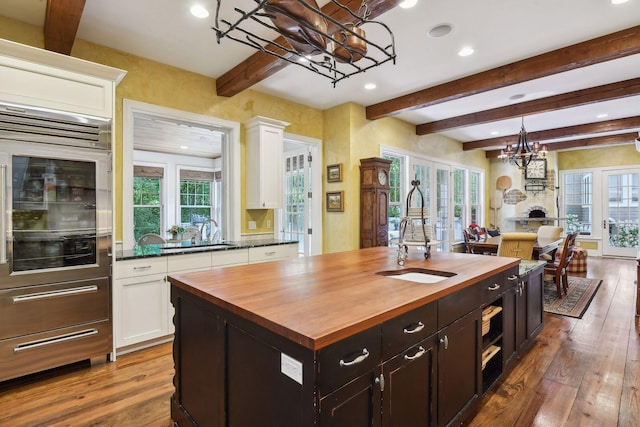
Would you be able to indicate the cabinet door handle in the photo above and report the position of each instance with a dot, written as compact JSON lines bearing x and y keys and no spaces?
{"x":359,"y":359}
{"x":514,"y":277}
{"x":380,"y":381}
{"x":419,"y":326}
{"x":54,"y":340}
{"x":421,"y":351}
{"x":494,"y":287}
{"x":445,"y":341}
{"x":521,"y":288}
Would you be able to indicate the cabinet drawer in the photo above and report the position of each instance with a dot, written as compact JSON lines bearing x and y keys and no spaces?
{"x":454,"y":306}
{"x":232,"y":257}
{"x":270,"y":253}
{"x":141,"y":267}
{"x":345,"y":360}
{"x":492,"y":288}
{"x":33,"y":353}
{"x":34,"y":309}
{"x":198,"y":261}
{"x":402,"y":332}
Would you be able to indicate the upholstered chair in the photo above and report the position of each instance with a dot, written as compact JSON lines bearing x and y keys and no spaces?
{"x":517,"y":245}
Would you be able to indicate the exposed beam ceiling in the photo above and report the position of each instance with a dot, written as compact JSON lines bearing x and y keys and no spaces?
{"x":565,"y":132}
{"x":623,"y":138}
{"x":601,"y":49}
{"x":261,"y":65}
{"x":553,"y":103}
{"x":61,"y":24}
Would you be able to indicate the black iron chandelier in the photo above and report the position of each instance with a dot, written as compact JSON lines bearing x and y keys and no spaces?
{"x":523,"y":152}
{"x":310,"y":37}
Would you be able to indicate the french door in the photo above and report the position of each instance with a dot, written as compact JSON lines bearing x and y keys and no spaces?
{"x":620,"y":212}
{"x":435,"y":185}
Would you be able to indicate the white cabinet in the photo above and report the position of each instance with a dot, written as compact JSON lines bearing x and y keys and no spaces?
{"x":272,"y":253}
{"x":36,"y":77}
{"x":143,"y":313}
{"x":141,"y":292}
{"x":264,"y":163}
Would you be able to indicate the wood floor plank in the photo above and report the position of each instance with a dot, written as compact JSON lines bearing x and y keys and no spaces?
{"x":550,"y":405}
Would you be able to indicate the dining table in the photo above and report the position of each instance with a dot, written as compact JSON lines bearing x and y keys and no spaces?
{"x":540,"y":247}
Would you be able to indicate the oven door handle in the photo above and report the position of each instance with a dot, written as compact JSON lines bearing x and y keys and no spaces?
{"x":3,"y":210}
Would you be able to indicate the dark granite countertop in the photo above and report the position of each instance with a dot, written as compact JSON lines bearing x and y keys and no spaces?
{"x":187,"y":247}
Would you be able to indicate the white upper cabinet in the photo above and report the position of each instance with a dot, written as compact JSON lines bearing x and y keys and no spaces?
{"x":40,"y":78}
{"x":264,"y":163}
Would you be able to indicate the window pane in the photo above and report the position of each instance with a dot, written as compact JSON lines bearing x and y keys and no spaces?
{"x":146,"y":206}
{"x":578,"y":196}
{"x":195,"y":202}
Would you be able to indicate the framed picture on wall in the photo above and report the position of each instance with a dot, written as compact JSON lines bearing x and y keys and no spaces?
{"x":335,"y":201}
{"x":334,"y":173}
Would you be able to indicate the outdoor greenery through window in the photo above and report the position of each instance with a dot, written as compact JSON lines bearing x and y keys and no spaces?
{"x":578,"y":202}
{"x":396,"y":199}
{"x":459,"y":201}
{"x":195,"y":202}
{"x":147,"y":205}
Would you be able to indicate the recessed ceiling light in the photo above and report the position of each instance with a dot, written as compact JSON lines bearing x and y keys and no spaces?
{"x":618,"y":1}
{"x":466,"y":51}
{"x":199,"y":11}
{"x":406,"y":4}
{"x":184,"y":147}
{"x":370,"y":86}
{"x":495,"y":132}
{"x":440,"y":30}
{"x":602,"y":115}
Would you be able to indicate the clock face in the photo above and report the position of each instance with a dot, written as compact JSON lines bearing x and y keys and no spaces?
{"x":537,"y":169}
{"x":382,"y":177}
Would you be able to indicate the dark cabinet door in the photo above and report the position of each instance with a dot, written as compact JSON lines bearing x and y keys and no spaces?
{"x":357,"y":404}
{"x":509,"y":339}
{"x":408,"y":398}
{"x":459,"y":368}
{"x":535,"y":303}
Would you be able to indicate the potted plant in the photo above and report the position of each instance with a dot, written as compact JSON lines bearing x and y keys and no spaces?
{"x":175,"y":230}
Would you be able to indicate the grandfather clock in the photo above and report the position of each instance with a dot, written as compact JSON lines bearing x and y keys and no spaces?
{"x":374,"y":202}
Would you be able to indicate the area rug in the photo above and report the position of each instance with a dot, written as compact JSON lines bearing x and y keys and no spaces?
{"x":575,"y":303}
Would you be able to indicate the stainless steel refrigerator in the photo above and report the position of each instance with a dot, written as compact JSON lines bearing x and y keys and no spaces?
{"x":56,"y":226}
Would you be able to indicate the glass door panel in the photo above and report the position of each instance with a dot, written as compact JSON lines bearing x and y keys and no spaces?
{"x":297,"y":210}
{"x":53,"y":213}
{"x":620,"y":224}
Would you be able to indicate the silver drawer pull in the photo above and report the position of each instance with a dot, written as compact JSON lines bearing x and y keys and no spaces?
{"x":418,"y":328}
{"x":359,"y":359}
{"x":494,"y":287}
{"x":421,"y":351}
{"x":55,"y":294}
{"x":270,"y":253}
{"x":54,"y":340}
{"x":512,"y":278}
{"x":142,"y":267}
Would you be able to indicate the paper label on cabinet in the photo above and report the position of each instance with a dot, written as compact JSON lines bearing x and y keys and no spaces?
{"x":291,"y":368}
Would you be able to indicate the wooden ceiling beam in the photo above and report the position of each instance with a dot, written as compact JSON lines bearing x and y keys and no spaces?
{"x":613,"y":46}
{"x":577,"y":98}
{"x":61,"y":23}
{"x":622,"y":138}
{"x":565,"y":132}
{"x":261,"y":65}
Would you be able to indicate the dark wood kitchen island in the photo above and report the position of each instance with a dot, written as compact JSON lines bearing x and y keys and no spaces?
{"x":328,"y":341}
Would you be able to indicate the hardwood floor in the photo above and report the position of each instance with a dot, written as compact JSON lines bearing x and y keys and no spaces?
{"x":579,"y":372}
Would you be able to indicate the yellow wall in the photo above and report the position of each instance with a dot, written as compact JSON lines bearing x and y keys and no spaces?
{"x":618,"y":155}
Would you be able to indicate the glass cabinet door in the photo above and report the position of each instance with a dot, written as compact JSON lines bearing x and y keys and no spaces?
{"x":53,"y":212}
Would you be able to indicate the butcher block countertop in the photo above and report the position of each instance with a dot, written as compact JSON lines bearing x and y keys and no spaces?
{"x":317,"y":301}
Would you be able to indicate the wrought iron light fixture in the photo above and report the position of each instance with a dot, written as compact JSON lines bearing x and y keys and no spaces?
{"x":310,"y":37}
{"x":523,"y":153}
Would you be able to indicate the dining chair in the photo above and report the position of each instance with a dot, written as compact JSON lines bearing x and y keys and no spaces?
{"x":549,"y":232}
{"x":517,"y":245}
{"x":559,"y":268}
{"x":465,"y":232}
{"x":190,"y":233}
{"x":151,"y":239}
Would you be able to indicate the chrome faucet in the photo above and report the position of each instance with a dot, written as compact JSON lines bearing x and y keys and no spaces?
{"x":214,"y":234}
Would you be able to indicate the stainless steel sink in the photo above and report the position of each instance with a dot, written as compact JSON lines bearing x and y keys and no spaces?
{"x":418,"y":275}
